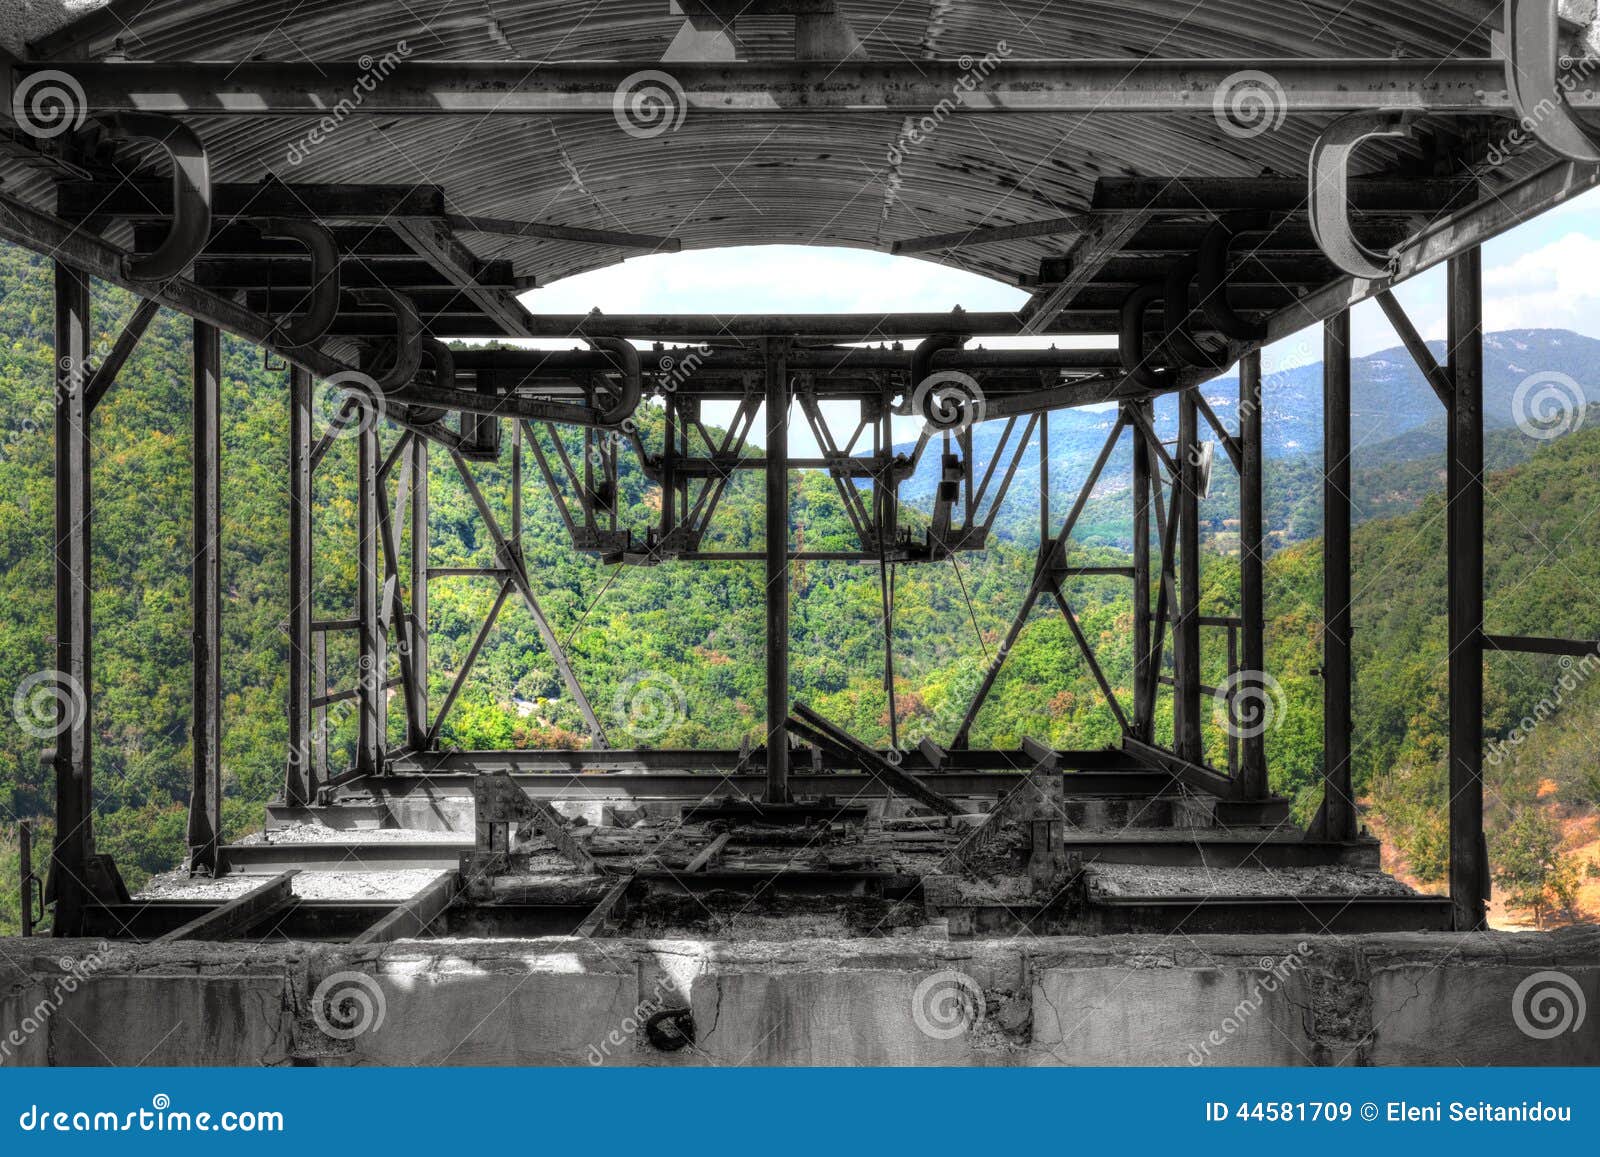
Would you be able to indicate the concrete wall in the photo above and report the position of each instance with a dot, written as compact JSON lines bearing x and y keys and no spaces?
{"x":1213,"y":1000}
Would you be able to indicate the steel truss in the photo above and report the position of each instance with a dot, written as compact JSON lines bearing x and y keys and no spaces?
{"x":311,"y":273}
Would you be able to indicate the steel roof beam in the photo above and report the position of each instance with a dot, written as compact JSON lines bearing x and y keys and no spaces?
{"x":518,"y":87}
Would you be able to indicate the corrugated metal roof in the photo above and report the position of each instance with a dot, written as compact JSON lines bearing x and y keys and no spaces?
{"x":730,"y":179}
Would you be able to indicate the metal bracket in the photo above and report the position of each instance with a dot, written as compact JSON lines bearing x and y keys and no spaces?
{"x":322,"y":303}
{"x":627,"y":360}
{"x":1533,"y":59}
{"x":1130,"y":338}
{"x":1180,"y":341}
{"x":191,"y":194}
{"x":408,"y":337}
{"x":1330,"y":189}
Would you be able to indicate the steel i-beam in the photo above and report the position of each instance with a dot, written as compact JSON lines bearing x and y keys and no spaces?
{"x":72,"y":678}
{"x":1469,"y":858}
{"x":777,"y":568}
{"x":1338,"y":818}
{"x":1252,"y":589}
{"x":205,"y":733}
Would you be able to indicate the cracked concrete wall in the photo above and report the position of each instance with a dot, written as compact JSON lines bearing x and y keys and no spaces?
{"x":1434,"y":999}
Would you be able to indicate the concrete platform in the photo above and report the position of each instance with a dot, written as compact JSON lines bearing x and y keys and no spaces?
{"x":1438,"y":999}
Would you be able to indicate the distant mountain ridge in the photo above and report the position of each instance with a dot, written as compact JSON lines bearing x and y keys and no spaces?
{"x":1395,"y":420}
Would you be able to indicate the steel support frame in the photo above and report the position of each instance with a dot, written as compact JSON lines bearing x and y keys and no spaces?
{"x":776,"y":574}
{"x":72,"y":757}
{"x":1469,"y":857}
{"x":205,"y":732}
{"x":1337,"y":819}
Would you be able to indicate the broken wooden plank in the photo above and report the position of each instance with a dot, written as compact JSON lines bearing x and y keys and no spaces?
{"x":413,"y":917}
{"x":240,"y":913}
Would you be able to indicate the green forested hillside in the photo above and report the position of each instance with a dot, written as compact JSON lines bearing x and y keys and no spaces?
{"x":693,"y":629}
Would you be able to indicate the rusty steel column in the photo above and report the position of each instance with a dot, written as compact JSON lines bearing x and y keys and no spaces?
{"x":299,"y":778}
{"x":1469,"y":858}
{"x":1186,"y":629}
{"x":205,"y":732}
{"x":72,"y":757}
{"x":1338,"y":798}
{"x":777,"y":567}
{"x":417,"y":739}
{"x":372,"y":695}
{"x":1143,"y":701}
{"x":1252,"y":564}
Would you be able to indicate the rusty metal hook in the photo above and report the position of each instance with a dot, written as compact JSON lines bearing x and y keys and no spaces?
{"x":1330,"y":189}
{"x":1130,"y":338}
{"x":1177,"y":313}
{"x":1213,"y":276}
{"x":191,"y":194}
{"x":408,"y":336}
{"x":626,"y":359}
{"x":1533,"y":58}
{"x":322,"y":303}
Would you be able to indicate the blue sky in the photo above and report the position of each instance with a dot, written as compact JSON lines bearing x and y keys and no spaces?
{"x":1544,"y":274}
